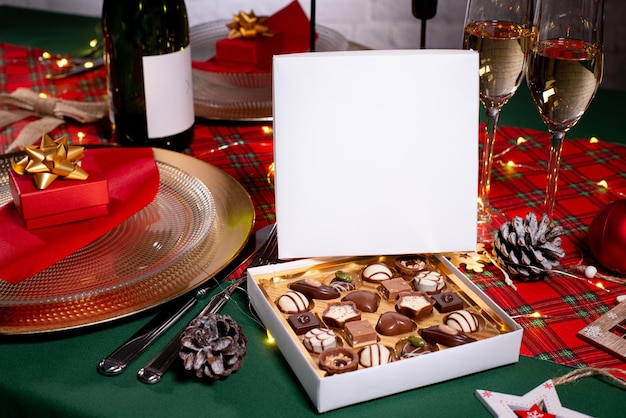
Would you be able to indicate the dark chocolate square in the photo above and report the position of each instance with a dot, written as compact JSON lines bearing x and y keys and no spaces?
{"x":447,"y":302}
{"x":303,"y":322}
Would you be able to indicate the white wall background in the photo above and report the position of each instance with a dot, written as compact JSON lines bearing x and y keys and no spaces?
{"x":379,"y":24}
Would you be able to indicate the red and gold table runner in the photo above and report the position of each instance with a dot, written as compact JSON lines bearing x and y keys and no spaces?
{"x":592,"y":175}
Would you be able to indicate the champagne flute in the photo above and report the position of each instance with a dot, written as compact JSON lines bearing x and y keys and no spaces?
{"x":564,"y":71}
{"x":500,"y":31}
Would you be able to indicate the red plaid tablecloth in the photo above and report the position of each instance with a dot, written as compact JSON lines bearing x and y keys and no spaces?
{"x":567,"y":304}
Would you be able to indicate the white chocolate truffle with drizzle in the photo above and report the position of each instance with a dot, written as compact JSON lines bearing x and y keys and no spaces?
{"x":429,"y":281}
{"x":375,"y":355}
{"x":376,"y":273}
{"x":293,"y":302}
{"x":319,"y":339}
{"x":463,"y":321}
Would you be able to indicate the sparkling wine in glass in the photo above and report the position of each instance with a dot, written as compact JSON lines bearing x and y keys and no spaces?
{"x":564,"y":71}
{"x":500,"y":31}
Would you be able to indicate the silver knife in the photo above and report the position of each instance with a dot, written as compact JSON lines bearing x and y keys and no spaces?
{"x":116,"y":362}
{"x":154,"y":370}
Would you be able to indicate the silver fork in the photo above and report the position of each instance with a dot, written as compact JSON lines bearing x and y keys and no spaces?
{"x":158,"y":366}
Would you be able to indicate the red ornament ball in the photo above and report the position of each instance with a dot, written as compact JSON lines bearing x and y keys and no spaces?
{"x":607,"y":236}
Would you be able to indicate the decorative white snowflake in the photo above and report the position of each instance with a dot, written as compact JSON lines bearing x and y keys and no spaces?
{"x":592,"y":331}
{"x":612,"y":315}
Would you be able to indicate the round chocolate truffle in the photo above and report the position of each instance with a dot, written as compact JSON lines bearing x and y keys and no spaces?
{"x":375,"y":355}
{"x":337,"y":360}
{"x":319,"y":339}
{"x":342,"y":286}
{"x":410,"y":265}
{"x":429,"y":282}
{"x":293,"y":302}
{"x":463,"y":321}
{"x":414,"y":346}
{"x":376,"y":273}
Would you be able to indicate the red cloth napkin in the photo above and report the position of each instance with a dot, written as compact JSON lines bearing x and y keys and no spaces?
{"x":133,"y":181}
{"x":290,"y":21}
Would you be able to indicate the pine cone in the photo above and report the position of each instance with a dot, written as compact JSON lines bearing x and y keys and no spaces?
{"x":528,"y":249}
{"x":213,"y":345}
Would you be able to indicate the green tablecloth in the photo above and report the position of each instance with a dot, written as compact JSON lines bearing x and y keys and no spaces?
{"x":55,"y":375}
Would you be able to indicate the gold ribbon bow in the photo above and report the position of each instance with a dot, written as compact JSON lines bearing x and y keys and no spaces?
{"x":248,"y":26}
{"x":52,"y":159}
{"x":51,"y":110}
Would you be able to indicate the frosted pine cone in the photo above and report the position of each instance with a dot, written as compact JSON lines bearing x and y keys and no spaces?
{"x":213,"y":345}
{"x":528,"y":249}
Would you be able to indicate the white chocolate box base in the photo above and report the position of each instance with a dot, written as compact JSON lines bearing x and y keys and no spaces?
{"x":328,"y":392}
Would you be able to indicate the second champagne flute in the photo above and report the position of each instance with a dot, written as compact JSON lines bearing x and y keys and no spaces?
{"x":564,"y":71}
{"x":500,"y":31}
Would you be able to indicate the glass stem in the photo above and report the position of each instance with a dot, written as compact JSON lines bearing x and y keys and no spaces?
{"x":556,"y":145}
{"x":484,"y":181}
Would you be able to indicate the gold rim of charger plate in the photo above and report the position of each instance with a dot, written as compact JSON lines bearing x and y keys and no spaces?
{"x":230,"y":231}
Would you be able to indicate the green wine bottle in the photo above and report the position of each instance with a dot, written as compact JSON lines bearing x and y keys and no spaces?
{"x":148,"y":65}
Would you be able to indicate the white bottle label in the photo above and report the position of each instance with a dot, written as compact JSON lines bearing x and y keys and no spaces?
{"x":169,"y":93}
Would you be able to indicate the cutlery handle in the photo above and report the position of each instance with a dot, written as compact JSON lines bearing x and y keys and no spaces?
{"x":157,"y":367}
{"x":154,"y":370}
{"x":116,"y":362}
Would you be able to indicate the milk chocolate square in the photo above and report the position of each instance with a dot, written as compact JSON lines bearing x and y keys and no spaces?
{"x":360,"y":332}
{"x":392,"y":288}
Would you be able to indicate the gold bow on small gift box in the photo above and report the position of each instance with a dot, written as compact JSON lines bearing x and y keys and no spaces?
{"x":52,"y":159}
{"x":248,"y":26}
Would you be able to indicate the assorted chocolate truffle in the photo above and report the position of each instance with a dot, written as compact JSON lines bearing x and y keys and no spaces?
{"x":415,"y":304}
{"x":447,"y":302}
{"x":343,"y":281}
{"x":303,"y":322}
{"x":445,"y":335}
{"x":376,"y":273}
{"x":313,"y":289}
{"x":338,"y":360}
{"x":463,"y":320}
{"x":343,"y":286}
{"x":319,"y":339}
{"x":360,"y":332}
{"x":394,"y":323}
{"x":391,"y":289}
{"x":293,"y":302}
{"x":410,"y":265}
{"x":375,"y":355}
{"x":429,"y":282}
{"x":364,"y":300}
{"x":337,"y":314}
{"x":415,"y":346}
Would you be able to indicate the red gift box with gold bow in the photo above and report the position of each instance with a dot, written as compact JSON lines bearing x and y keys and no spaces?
{"x":80,"y":193}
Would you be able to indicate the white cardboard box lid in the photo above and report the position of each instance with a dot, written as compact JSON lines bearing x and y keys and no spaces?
{"x":376,"y":152}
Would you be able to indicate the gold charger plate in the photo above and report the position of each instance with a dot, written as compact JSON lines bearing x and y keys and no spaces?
{"x":93,"y":294}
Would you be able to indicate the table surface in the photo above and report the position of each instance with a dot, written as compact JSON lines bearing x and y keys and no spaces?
{"x":55,"y":374}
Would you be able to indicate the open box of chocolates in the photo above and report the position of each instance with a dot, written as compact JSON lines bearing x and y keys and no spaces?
{"x":380,"y":325}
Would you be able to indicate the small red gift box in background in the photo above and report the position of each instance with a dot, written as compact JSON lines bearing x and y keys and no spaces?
{"x":62,"y":202}
{"x":258,"y":51}
{"x":284,"y":32}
